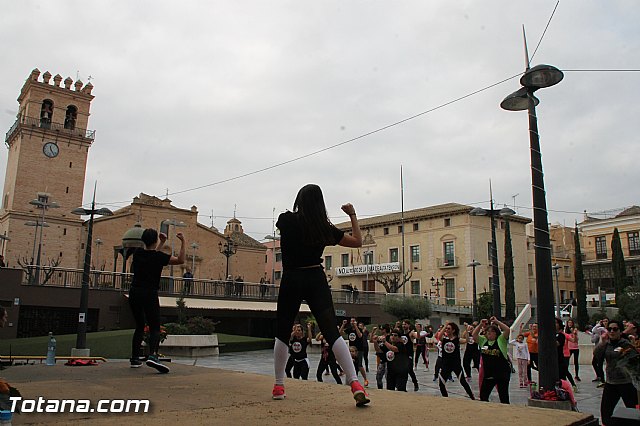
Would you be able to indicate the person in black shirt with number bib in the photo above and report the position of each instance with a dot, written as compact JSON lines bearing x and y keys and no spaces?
{"x":147,"y":267}
{"x":451,"y":363}
{"x":407,"y":338}
{"x":298,"y":351}
{"x":304,"y":233}
{"x":398,"y":361}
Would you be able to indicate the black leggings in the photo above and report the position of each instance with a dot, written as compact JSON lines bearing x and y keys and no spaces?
{"x":330,"y":363}
{"x":610,"y":397}
{"x":309,"y":284}
{"x":471,"y":353}
{"x":445,"y":372}
{"x":397,"y":380}
{"x":563,"y":369}
{"x":421,"y":351}
{"x":146,"y":310}
{"x":533,"y":364}
{"x":576,"y":355}
{"x":300,"y":369}
{"x":489,"y":383}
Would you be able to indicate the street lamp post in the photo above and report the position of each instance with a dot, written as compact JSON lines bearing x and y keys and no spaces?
{"x":81,"y":340}
{"x":195,"y":247}
{"x":42,"y":202}
{"x":36,"y":224}
{"x":495,"y":280}
{"x":368,"y":253}
{"x":98,"y":242}
{"x":555,"y":268}
{"x":437,"y":283}
{"x":474,"y":311}
{"x":535,"y":78}
{"x":273,"y":256}
{"x":228,"y":249}
{"x":174,"y":223}
{"x":4,"y":238}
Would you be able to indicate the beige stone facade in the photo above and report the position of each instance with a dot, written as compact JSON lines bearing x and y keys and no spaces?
{"x":439,"y":242}
{"x":52,"y":113}
{"x":206,"y":261}
{"x":596,"y":248}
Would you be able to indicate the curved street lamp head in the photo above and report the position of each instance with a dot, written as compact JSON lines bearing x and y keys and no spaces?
{"x":478,"y":211}
{"x":104,"y":212}
{"x":506,"y":211}
{"x":541,"y":76}
{"x":517,"y":101}
{"x":474,"y":263}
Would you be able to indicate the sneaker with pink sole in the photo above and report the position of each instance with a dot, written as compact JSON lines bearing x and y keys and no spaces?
{"x":359,"y":394}
{"x":278,"y":392}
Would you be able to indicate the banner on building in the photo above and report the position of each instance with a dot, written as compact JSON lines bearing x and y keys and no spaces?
{"x":368,"y":269}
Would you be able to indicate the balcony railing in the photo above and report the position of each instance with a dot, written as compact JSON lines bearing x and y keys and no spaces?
{"x":448,"y":262}
{"x":38,"y":123}
{"x":217,"y":289}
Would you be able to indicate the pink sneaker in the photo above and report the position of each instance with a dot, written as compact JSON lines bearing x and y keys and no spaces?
{"x":278,"y":392}
{"x":361,"y":397}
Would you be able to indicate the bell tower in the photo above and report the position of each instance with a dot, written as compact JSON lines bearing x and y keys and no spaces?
{"x":48,"y":146}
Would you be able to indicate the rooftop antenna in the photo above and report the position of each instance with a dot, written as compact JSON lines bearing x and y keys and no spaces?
{"x":514,"y":200}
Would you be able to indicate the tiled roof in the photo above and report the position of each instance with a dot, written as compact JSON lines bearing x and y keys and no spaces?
{"x":441,"y":210}
{"x":631,"y":211}
{"x":243,"y":240}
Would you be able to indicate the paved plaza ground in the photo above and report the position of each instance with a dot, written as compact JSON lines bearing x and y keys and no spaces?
{"x":236,"y":389}
{"x":261,"y":362}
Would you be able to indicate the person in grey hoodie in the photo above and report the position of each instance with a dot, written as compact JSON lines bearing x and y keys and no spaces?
{"x":618,"y":382}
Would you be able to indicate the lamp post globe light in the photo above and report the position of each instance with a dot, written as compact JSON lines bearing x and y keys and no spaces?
{"x":495,"y":280}
{"x":228,"y":249}
{"x":474,"y":309}
{"x":81,"y":340}
{"x":535,"y":78}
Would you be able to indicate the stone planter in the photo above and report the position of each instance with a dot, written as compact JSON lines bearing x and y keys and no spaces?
{"x":190,"y":346}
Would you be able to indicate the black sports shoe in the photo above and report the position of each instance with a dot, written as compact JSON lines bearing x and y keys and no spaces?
{"x":416,"y":387}
{"x":135,"y":363}
{"x":152,"y":361}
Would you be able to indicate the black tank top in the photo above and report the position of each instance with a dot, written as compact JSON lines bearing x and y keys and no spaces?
{"x":298,"y":348}
{"x":494,"y":363}
{"x":450,"y":349}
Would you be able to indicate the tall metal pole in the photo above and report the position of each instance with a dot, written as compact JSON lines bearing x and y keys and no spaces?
{"x":402,"y":224}
{"x":43,"y":206}
{"x":544,"y":282}
{"x":273,"y":252}
{"x":555,"y":268}
{"x":81,"y":340}
{"x":474,"y":309}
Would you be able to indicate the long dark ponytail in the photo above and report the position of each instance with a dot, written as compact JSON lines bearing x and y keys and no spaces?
{"x":312,"y":212}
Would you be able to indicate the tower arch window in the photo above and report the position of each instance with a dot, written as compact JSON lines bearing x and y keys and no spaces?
{"x":70,"y":117}
{"x":46,"y":113}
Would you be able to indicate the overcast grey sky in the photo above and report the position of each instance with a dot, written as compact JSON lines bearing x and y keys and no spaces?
{"x":192,"y":93}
